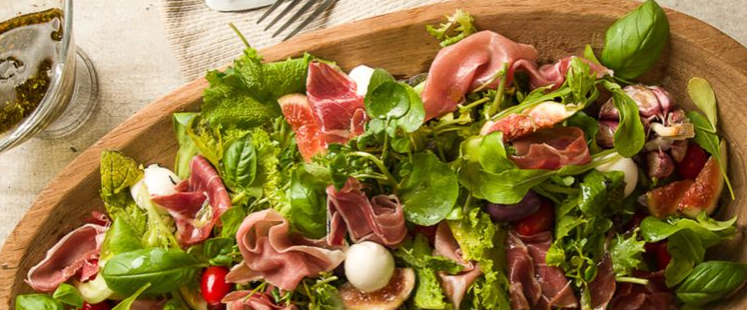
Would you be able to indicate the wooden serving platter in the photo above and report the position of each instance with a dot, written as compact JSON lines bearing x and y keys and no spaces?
{"x":399,"y":43}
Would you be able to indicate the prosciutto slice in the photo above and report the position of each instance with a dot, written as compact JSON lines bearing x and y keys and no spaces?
{"x":552,"y":149}
{"x":77,"y":250}
{"x":332,"y":95}
{"x":653,"y":296}
{"x":454,"y":285}
{"x":603,"y":286}
{"x":245,"y":300}
{"x":198,"y":203}
{"x":474,"y":62}
{"x":270,"y":253}
{"x":380,"y":220}
{"x":525,"y":290}
{"x":556,"y":288}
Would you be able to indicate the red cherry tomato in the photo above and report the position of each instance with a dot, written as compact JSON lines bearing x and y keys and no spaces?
{"x":214,"y":286}
{"x":694,"y":160}
{"x":659,"y":251}
{"x":99,"y":306}
{"x":538,"y":221}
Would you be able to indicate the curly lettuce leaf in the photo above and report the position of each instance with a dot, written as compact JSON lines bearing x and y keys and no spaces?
{"x":228,"y":104}
{"x":118,"y":173}
{"x":627,"y":253}
{"x":457,"y":27}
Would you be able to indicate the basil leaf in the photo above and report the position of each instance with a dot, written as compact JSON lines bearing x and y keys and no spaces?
{"x":702,"y":95}
{"x":232,"y":219}
{"x":710,"y":231}
{"x":430,"y":191}
{"x":37,"y":302}
{"x":163,"y":269}
{"x":239,"y":164}
{"x":629,"y":136}
{"x":389,"y":100}
{"x":492,"y":153}
{"x":510,"y":186}
{"x":218,"y":251}
{"x":634,"y":43}
{"x":69,"y":295}
{"x":127,"y":303}
{"x":120,"y":238}
{"x":308,"y":200}
{"x":187,"y":148}
{"x":710,"y":281}
{"x":686,"y":250}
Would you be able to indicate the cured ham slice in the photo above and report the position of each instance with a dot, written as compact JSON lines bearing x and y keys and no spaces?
{"x":339,"y":110}
{"x":525,"y":290}
{"x":514,"y":126}
{"x":556,"y":288}
{"x":245,"y":300}
{"x":204,"y":189}
{"x":454,"y":285}
{"x":77,"y":250}
{"x":272,"y":254}
{"x":380,"y":220}
{"x":475,"y":61}
{"x":602,"y":288}
{"x":652,"y":296}
{"x":552,"y":149}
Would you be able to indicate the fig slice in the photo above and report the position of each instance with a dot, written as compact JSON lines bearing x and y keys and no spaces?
{"x":663,"y":201}
{"x":703,"y":195}
{"x":388,"y":298}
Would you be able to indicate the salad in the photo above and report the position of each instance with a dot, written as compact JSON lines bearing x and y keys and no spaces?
{"x":488,"y":182}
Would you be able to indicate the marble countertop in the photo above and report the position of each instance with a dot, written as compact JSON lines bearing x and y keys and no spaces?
{"x":127,"y":44}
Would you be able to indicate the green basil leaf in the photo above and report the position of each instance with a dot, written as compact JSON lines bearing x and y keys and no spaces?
{"x":232,"y":219}
{"x":37,"y":302}
{"x":389,"y":100}
{"x":163,"y":269}
{"x":711,"y":281}
{"x":430,"y":191}
{"x":492,"y":154}
{"x":239,"y":166}
{"x":686,"y":250}
{"x":69,"y":295}
{"x":510,"y":186}
{"x":218,"y":251}
{"x":127,"y":303}
{"x":634,"y":43}
{"x":309,"y":203}
{"x":120,"y":238}
{"x":701,"y":93}
{"x":187,"y":148}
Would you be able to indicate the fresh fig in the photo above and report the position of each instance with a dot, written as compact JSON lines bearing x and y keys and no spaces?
{"x":663,"y":201}
{"x":703,"y":195}
{"x":388,"y":298}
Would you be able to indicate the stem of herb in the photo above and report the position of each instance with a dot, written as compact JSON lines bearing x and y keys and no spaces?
{"x":380,"y":164}
{"x":496,"y":104}
{"x":632,"y":280}
{"x":473,"y":104}
{"x":241,"y":35}
{"x":237,"y":198}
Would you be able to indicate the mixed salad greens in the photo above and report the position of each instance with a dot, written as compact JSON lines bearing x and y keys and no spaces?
{"x":323,"y":191}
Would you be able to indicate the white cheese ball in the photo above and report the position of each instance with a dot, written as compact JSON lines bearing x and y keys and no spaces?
{"x":628,"y":167}
{"x":361,"y":75}
{"x":157,"y":181}
{"x":369,"y":266}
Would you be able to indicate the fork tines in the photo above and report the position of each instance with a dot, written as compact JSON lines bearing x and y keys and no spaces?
{"x":321,"y":6}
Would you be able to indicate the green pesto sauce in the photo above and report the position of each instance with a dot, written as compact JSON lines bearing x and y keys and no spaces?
{"x":28,"y":48}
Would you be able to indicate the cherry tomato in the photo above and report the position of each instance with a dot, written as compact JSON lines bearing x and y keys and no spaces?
{"x":214,"y":286}
{"x":538,"y":221}
{"x":99,"y":306}
{"x":429,"y":232}
{"x":659,"y":251}
{"x":694,"y":160}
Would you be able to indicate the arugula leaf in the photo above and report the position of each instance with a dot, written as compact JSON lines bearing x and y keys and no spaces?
{"x":686,"y":250}
{"x":323,"y":295}
{"x":239,"y":165}
{"x":706,"y":138}
{"x":161,"y":269}
{"x":308,"y":201}
{"x":187,"y":148}
{"x":581,"y":80}
{"x":589,"y":54}
{"x":430,"y":191}
{"x":634,"y":43}
{"x":460,"y":23}
{"x":118,"y":173}
{"x":37,"y":302}
{"x":126,"y":304}
{"x":702,"y":95}
{"x":711,"y":281}
{"x":626,"y":253}
{"x":710,"y":231}
{"x":629,"y":136}
{"x":510,"y":186}
{"x":589,"y":125}
{"x":69,"y":295}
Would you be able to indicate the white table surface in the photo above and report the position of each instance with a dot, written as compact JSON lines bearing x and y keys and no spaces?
{"x":127,"y":44}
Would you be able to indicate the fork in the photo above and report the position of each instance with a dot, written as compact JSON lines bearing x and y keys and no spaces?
{"x":321,"y":6}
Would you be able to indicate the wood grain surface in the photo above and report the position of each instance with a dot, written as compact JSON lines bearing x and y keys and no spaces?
{"x":399,"y":43}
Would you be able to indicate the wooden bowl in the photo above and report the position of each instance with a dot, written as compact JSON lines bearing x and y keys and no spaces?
{"x":399,"y":43}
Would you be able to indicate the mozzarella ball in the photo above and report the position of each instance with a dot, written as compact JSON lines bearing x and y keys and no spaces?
{"x":361,"y":75}
{"x":628,"y":167}
{"x":369,"y":266}
{"x":157,"y":181}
